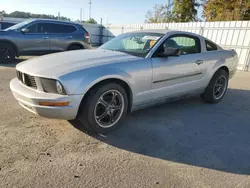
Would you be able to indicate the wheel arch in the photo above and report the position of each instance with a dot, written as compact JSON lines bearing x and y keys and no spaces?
{"x":75,"y":43}
{"x":224,"y":67}
{"x":12,"y":44}
{"x":119,"y":81}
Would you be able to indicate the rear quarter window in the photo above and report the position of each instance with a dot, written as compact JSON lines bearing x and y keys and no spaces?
{"x":210,"y":46}
{"x":61,"y":28}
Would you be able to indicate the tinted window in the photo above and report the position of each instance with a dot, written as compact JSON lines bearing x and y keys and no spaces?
{"x":56,"y":28}
{"x":210,"y":46}
{"x":187,"y":44}
{"x":33,"y":28}
{"x":51,"y":28}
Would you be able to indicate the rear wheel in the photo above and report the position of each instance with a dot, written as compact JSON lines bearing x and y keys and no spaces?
{"x":104,"y":108}
{"x":217,"y":87}
{"x":7,"y":53}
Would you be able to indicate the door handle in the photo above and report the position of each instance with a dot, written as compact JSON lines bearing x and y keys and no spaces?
{"x":45,"y":37}
{"x":198,"y":62}
{"x":69,"y":37}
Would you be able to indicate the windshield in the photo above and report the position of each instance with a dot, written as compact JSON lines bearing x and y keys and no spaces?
{"x":19,"y":25}
{"x":138,"y":44}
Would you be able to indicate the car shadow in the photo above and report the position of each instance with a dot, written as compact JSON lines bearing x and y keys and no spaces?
{"x":214,"y":136}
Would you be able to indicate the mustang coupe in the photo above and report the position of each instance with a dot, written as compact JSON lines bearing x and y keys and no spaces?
{"x":132,"y":71}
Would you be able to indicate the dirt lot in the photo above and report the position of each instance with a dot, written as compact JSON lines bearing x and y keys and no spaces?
{"x":181,"y":144}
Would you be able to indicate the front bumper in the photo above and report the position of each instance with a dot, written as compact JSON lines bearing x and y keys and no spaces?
{"x":29,"y":99}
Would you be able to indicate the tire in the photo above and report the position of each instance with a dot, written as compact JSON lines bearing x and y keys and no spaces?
{"x":74,"y":47}
{"x":217,"y":87}
{"x":7,"y":53}
{"x":92,"y":111}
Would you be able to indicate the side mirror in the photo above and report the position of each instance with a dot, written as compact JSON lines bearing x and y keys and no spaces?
{"x":169,"y":51}
{"x":24,"y":30}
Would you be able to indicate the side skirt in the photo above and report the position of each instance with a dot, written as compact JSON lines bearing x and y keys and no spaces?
{"x":166,"y":100}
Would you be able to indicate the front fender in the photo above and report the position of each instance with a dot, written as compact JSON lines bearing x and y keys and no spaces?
{"x":81,"y":81}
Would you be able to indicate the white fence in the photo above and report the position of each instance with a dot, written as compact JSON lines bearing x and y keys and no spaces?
{"x":229,"y":35}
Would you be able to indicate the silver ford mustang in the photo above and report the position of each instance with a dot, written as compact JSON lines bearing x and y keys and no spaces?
{"x":134,"y":70}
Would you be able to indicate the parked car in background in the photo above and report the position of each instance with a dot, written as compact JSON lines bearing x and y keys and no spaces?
{"x":41,"y":36}
{"x":5,"y":24}
{"x":130,"y":72}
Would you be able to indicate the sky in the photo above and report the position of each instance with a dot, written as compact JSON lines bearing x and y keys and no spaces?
{"x":112,"y":11}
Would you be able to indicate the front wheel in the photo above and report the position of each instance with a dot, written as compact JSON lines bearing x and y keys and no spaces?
{"x":104,"y":108}
{"x":217,"y":87}
{"x":7,"y":53}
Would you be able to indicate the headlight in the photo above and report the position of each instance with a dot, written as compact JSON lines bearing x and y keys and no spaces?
{"x":59,"y":87}
{"x":52,"y":86}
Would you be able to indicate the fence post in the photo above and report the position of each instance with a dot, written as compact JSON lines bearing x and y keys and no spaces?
{"x":201,"y":31}
{"x":100,"y":33}
{"x":246,"y":67}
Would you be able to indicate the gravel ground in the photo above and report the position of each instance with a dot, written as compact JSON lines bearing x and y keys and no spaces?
{"x":181,"y":144}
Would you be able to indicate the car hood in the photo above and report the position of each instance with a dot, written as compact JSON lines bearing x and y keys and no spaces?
{"x":57,"y":64}
{"x":8,"y":32}
{"x":3,"y":32}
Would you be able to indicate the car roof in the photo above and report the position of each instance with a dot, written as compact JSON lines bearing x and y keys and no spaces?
{"x":165,"y":31}
{"x":158,"y":31}
{"x":55,"y":21}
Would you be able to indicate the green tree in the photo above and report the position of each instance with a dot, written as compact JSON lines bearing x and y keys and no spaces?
{"x":18,"y":14}
{"x":226,"y":10}
{"x":185,"y":10}
{"x":91,"y":20}
{"x":160,"y":13}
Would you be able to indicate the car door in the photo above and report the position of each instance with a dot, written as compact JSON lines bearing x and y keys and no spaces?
{"x":61,"y":35}
{"x":35,"y":40}
{"x":178,"y":75}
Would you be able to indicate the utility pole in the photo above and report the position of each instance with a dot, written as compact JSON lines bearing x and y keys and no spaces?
{"x":58,"y":16}
{"x":81,"y":15}
{"x":90,"y":8}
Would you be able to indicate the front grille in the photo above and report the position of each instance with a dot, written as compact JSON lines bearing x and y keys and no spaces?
{"x":27,"y":79}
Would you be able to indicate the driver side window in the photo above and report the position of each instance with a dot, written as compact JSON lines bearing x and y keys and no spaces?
{"x":33,"y":28}
{"x":38,"y":28}
{"x":185,"y":43}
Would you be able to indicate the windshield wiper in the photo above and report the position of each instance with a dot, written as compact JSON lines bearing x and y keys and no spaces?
{"x":114,"y":50}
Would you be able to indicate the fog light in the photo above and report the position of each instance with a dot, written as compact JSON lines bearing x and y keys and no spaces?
{"x":59,"y":87}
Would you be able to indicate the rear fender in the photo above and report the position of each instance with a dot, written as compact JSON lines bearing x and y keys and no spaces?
{"x":220,"y":63}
